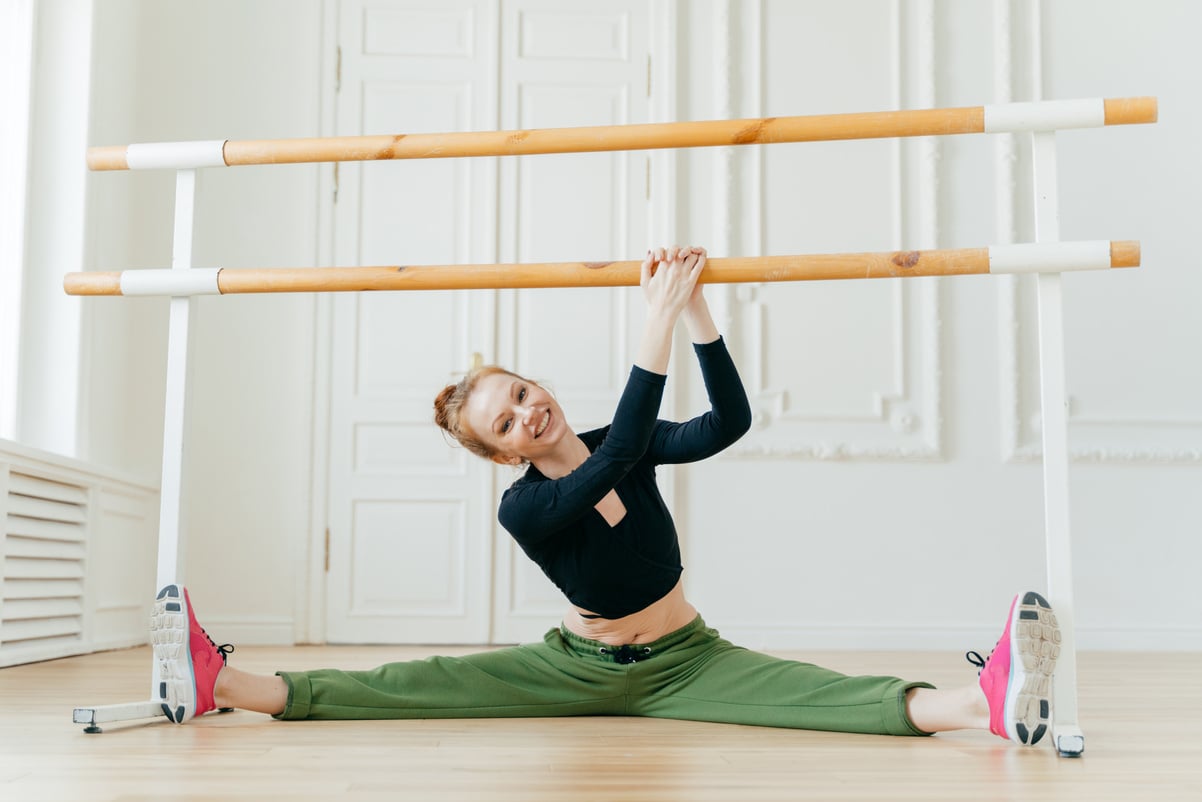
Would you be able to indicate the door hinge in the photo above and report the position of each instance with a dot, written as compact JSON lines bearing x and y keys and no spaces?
{"x":648,"y":75}
{"x":647,"y":179}
{"x":337,"y":173}
{"x":338,"y":70}
{"x":327,"y":557}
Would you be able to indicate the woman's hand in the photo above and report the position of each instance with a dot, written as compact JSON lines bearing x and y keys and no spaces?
{"x":669,"y":282}
{"x":669,"y":279}
{"x":697,"y":300}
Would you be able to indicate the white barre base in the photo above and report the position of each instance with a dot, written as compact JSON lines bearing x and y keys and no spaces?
{"x":93,"y":717}
{"x":1068,"y":740}
{"x":102,"y":714}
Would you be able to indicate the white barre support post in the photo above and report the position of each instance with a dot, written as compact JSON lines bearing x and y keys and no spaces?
{"x":1067,"y":737}
{"x":174,"y":417}
{"x":175,"y":406}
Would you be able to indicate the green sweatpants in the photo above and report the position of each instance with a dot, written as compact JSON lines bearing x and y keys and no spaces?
{"x":691,"y":673}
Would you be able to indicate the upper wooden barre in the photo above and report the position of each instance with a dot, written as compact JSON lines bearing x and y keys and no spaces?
{"x":1000,"y":118}
{"x":1028,"y":257}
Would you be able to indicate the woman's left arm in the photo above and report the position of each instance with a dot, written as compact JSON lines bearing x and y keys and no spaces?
{"x":729,"y":416}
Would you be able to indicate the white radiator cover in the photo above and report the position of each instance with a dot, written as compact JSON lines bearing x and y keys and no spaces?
{"x":77,"y":555}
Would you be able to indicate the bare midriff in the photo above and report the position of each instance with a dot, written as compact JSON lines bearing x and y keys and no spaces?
{"x":650,"y":624}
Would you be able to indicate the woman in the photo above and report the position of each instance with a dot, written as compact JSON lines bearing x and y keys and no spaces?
{"x":588,"y":512}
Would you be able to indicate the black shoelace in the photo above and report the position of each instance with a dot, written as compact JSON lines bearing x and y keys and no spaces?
{"x":978,"y":661}
{"x":225,"y":649}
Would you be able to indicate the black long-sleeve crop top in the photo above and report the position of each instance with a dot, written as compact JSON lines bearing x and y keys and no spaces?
{"x":616,"y":571}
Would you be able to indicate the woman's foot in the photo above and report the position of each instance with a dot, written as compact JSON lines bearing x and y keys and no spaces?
{"x":1017,"y":675}
{"x":188,"y":659}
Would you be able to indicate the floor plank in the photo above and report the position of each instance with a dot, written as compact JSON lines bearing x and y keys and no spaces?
{"x":1140,"y":713}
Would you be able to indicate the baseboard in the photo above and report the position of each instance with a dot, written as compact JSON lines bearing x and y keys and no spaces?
{"x":251,"y":631}
{"x":835,"y":638}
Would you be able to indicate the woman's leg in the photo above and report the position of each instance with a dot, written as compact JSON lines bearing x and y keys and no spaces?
{"x":545,"y":679}
{"x":261,"y":693}
{"x":531,"y":680}
{"x":707,"y":678}
{"x":938,"y":710}
{"x":1013,"y":697}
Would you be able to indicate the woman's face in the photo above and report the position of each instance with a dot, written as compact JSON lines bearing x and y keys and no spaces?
{"x":518,"y":418}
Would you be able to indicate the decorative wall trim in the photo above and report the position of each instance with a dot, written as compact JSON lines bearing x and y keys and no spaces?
{"x":1018,"y":76}
{"x":905,"y":422}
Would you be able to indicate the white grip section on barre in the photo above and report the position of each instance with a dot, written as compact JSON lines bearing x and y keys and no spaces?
{"x":1049,"y":257}
{"x":175,"y":155}
{"x":1045,"y":115}
{"x":165,"y":281}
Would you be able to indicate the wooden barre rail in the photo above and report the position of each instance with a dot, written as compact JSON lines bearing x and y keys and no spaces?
{"x":1000,"y":118}
{"x":1027,"y":257}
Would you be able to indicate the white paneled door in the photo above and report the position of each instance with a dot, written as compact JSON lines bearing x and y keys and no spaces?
{"x":415,"y":552}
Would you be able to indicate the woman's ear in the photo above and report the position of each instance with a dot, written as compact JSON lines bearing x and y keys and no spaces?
{"x":511,"y":460}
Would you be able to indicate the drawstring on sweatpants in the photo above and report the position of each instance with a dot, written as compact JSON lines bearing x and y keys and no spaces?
{"x":626,"y":653}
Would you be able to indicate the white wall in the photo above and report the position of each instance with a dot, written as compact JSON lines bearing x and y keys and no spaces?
{"x":917,"y":544}
{"x":179,"y":70}
{"x":876,"y":552}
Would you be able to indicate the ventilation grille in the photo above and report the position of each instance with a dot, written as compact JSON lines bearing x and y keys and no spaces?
{"x":44,"y":549}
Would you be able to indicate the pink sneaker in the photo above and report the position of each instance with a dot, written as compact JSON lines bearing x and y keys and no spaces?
{"x":1017,"y":675}
{"x":188,"y":659}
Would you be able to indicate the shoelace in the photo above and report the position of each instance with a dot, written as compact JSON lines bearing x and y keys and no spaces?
{"x":224,"y":649}
{"x":975,"y":658}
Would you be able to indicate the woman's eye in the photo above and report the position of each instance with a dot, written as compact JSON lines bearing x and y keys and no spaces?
{"x":522,"y":394}
{"x":505,"y":426}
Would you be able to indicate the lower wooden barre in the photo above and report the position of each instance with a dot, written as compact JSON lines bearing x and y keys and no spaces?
{"x":1041,"y":257}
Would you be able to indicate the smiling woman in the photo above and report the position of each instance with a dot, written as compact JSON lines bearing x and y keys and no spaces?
{"x":589,"y":513}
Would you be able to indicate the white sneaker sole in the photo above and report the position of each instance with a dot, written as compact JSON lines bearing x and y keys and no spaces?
{"x":170,"y":642}
{"x":1034,"y":649}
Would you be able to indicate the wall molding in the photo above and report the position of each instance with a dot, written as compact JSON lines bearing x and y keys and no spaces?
{"x":904,"y":422}
{"x":1018,"y":76}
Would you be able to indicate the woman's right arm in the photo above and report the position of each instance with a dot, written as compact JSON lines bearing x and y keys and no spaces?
{"x":531,"y":510}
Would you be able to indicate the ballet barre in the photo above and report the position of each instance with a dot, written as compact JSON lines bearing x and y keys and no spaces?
{"x":996,"y":259}
{"x":1047,"y":115}
{"x":1047,"y":257}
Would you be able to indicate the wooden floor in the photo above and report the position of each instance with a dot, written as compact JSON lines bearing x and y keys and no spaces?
{"x":1142,"y":716}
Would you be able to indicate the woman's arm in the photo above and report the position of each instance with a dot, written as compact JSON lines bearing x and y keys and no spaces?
{"x":532,"y":510}
{"x":728,"y":418}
